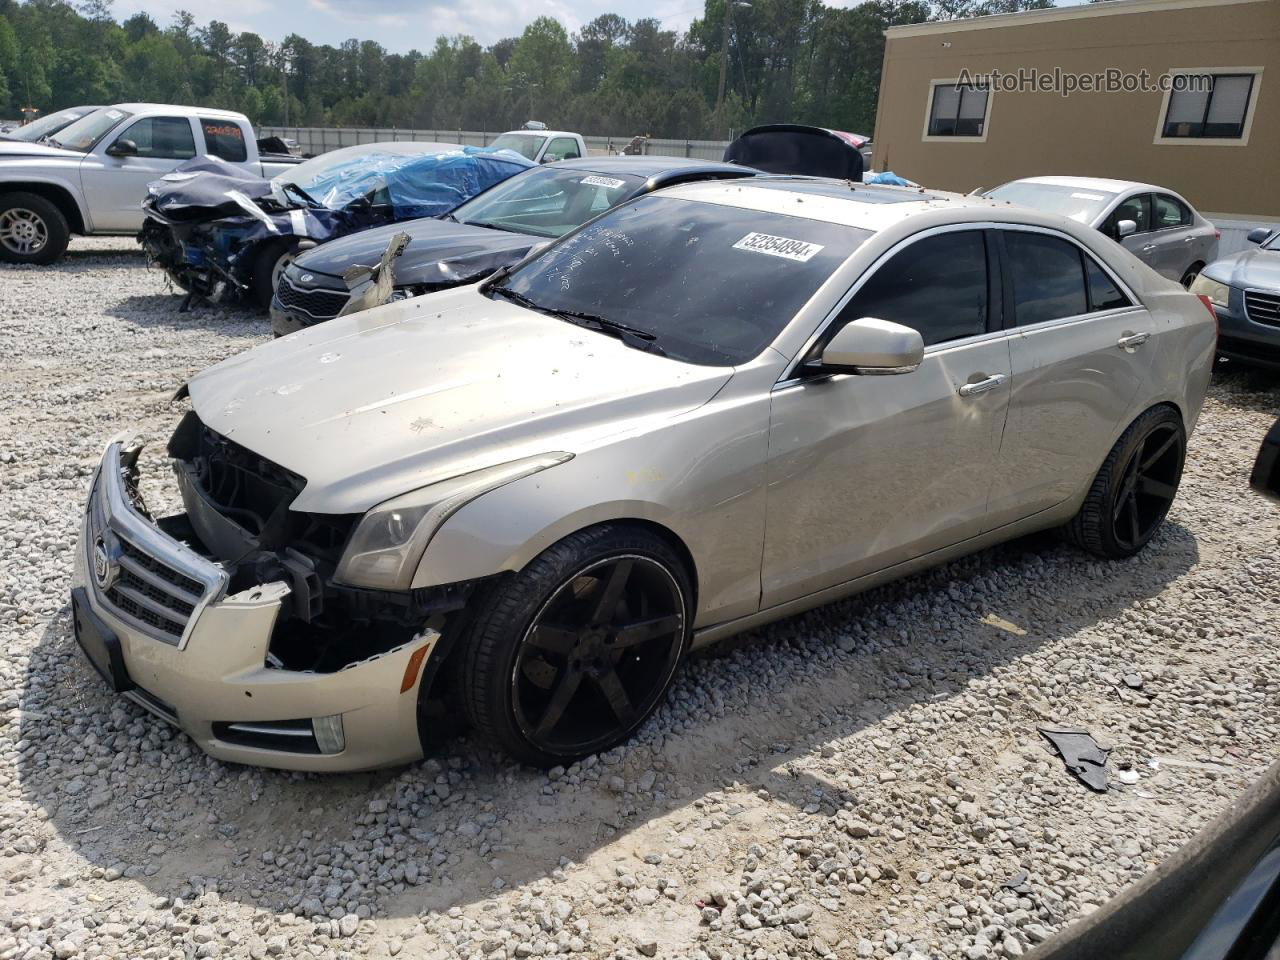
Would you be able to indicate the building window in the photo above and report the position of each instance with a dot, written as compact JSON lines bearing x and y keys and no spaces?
{"x":1209,"y":105}
{"x":957,"y":110}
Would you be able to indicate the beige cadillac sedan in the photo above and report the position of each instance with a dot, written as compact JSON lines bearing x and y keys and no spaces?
{"x":525,"y":501}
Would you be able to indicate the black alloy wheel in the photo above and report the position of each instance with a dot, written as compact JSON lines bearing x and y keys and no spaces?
{"x":1133,"y":490}
{"x":598,"y":655}
{"x":1149,"y":482}
{"x":571,"y":654}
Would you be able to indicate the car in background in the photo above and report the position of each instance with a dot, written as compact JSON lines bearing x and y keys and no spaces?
{"x":1153,"y":223}
{"x":1244,"y":289}
{"x":91,"y":177}
{"x":49,"y":124}
{"x":542,"y":145}
{"x":799,"y":149}
{"x":223,"y":234}
{"x":709,"y":408}
{"x":488,"y":232}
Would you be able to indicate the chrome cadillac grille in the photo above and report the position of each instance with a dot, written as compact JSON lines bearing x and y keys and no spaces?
{"x":151,"y":593}
{"x":316,"y":302}
{"x":138,"y":572}
{"x":1262,"y":307}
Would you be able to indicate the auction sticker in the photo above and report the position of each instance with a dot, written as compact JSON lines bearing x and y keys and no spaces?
{"x":778,"y":246}
{"x":609,"y":182}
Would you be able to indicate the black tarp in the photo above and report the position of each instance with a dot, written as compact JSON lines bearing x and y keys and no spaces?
{"x":797,"y":149}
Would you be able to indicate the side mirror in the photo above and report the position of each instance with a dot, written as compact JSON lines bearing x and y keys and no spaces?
{"x":1126,"y":228}
{"x":123,"y":148}
{"x":872,"y":346}
{"x":1258,"y":235}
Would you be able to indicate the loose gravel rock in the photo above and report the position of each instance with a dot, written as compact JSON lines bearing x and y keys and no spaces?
{"x":865,"y":780}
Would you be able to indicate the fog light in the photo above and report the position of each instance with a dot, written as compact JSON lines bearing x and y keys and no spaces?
{"x":328,"y":731}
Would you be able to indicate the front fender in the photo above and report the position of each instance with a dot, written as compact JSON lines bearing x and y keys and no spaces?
{"x":15,"y":175}
{"x":701,"y":477}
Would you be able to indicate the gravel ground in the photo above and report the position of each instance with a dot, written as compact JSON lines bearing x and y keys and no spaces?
{"x":862,"y":781}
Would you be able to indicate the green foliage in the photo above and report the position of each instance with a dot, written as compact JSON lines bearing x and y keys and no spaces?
{"x":795,"y":60}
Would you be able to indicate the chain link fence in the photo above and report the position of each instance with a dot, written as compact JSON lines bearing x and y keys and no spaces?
{"x":317,"y":140}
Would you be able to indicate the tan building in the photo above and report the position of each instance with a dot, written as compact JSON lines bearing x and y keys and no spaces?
{"x":1193,"y":104}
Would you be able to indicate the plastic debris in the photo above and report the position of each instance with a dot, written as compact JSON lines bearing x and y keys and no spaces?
{"x":1081,"y":754}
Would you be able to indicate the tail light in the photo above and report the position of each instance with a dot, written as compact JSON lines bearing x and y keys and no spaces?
{"x":1217,"y":234}
{"x":1208,"y":305}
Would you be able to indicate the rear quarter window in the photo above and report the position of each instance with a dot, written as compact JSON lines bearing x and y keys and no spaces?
{"x":224,"y":139}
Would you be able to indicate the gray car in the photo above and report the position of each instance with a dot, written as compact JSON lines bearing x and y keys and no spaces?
{"x":1245,"y":292}
{"x":524,"y":501}
{"x":1153,"y":223}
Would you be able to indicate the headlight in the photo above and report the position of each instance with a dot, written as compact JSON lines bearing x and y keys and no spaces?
{"x":1218,"y":293}
{"x":391,"y":538}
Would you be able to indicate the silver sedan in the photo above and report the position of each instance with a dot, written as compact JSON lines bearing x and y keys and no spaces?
{"x":524,"y":501}
{"x":1153,"y":223}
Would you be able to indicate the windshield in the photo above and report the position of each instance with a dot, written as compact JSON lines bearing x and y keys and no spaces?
{"x":700,"y":282}
{"x":88,"y":130}
{"x":548,"y":201}
{"x":52,"y":123}
{"x":1077,"y":203}
{"x":525,"y":145}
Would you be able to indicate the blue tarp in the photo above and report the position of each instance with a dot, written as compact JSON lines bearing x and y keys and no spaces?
{"x":423,"y":185}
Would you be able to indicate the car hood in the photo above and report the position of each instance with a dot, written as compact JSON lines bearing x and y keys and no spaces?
{"x":21,"y":150}
{"x":373,"y":405}
{"x":1254,"y":267}
{"x":439,"y":252}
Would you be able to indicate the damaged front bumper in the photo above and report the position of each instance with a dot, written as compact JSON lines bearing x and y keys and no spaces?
{"x":154,"y":617}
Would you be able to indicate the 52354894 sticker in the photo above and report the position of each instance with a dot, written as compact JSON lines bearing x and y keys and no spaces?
{"x":785,"y":247}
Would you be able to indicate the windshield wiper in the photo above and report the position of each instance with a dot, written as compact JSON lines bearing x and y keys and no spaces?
{"x":306,"y":197}
{"x":632,"y":336}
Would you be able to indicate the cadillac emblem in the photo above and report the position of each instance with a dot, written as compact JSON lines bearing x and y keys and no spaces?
{"x":104,"y":570}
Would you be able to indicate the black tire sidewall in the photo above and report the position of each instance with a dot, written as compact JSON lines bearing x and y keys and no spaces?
{"x":59,"y":234}
{"x":505,"y":610}
{"x":1122,"y":454}
{"x":264,"y":262}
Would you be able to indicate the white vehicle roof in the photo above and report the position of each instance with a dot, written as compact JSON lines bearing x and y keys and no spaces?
{"x":176,"y":108}
{"x":1094,"y":183}
{"x":538,"y":133}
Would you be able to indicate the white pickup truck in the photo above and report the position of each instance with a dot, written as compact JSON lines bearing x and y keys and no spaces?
{"x":541,"y":145}
{"x":91,"y":176}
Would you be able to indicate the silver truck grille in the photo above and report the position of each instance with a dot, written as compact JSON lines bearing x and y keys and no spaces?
{"x":1262,"y":307}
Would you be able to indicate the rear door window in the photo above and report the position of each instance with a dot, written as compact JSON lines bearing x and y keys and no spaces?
{"x":224,"y":139}
{"x":1047,"y":275}
{"x":1167,"y":211}
{"x":162,"y":138}
{"x":1103,"y":292}
{"x":937,"y":285}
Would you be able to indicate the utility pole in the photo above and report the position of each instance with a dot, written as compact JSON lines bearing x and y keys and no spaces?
{"x":724,"y":48}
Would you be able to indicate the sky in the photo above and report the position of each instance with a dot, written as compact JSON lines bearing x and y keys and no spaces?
{"x":404,"y":25}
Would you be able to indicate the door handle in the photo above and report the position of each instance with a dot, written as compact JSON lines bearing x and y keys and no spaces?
{"x":1132,"y":340}
{"x":1148,"y":248}
{"x":982,"y":386}
{"x":1188,"y":239}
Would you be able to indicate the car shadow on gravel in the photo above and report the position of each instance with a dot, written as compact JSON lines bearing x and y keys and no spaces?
{"x":757,"y":717}
{"x":163,"y":310}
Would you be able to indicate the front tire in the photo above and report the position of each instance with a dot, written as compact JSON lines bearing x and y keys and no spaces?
{"x":570,"y":655}
{"x":1133,"y":491}
{"x":268,"y":264}
{"x":32,"y":229}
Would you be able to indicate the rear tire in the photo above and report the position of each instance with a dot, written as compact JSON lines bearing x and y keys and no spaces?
{"x":32,"y":229}
{"x":1189,"y":277}
{"x":1133,"y":491}
{"x":570,"y":655}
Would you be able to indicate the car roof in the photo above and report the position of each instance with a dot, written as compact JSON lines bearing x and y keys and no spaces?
{"x":650,"y":166}
{"x":1094,"y":183}
{"x":866,"y":206}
